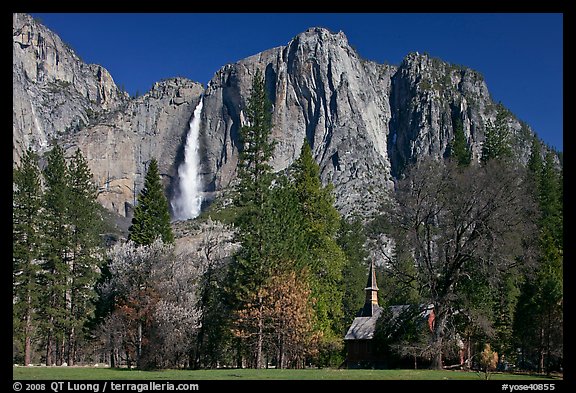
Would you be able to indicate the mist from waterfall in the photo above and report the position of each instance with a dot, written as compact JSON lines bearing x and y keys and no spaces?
{"x":188,"y":201}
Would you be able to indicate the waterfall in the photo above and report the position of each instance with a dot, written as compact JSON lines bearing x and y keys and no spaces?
{"x":188,"y":200}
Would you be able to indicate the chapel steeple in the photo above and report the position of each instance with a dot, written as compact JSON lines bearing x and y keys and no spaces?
{"x":371,"y":302}
{"x":371,"y":286}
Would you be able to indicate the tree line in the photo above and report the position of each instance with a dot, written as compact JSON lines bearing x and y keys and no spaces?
{"x":482,"y":241}
{"x":277,"y":301}
{"x":57,"y":255}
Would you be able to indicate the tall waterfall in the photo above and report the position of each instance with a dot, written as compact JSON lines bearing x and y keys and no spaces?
{"x":188,"y":200}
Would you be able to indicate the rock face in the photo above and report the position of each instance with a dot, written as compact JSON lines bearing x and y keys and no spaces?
{"x":54,"y":92}
{"x":57,"y":96}
{"x":321,"y":91}
{"x":120,"y":146}
{"x":365,"y":121}
{"x":427,"y":96}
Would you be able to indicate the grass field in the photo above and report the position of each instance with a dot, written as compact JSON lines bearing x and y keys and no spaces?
{"x":91,"y":373}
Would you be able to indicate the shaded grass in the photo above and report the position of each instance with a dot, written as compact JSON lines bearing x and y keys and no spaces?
{"x":92,"y":373}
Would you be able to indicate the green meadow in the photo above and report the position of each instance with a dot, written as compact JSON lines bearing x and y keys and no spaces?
{"x":92,"y":373}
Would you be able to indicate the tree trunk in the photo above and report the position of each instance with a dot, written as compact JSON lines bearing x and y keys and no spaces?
{"x":439,"y":325}
{"x":259,"y":345}
{"x":193,"y":358}
{"x":281,"y":353}
{"x":71,"y":347}
{"x":548,"y":334}
{"x":199,"y":344}
{"x":541,"y":350}
{"x":61,"y":346}
{"x":259,"y":334}
{"x":112,"y":359}
{"x":238,"y":354}
{"x":27,"y":350}
{"x":49,"y":360}
{"x":28,"y":333}
{"x":49,"y":338}
{"x":112,"y":352}
{"x":437,"y":360}
{"x":128,"y":360}
{"x":468,"y":353}
{"x":139,"y":346}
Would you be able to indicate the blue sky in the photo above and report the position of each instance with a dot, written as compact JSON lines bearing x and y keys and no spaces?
{"x":520,"y":55}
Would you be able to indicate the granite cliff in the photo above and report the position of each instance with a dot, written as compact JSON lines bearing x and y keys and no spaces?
{"x":365,"y":121}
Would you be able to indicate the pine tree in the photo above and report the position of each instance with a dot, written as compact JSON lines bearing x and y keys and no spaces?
{"x":288,"y":312}
{"x":497,"y":142}
{"x":550,"y":199}
{"x":56,"y":255}
{"x":213,"y":332}
{"x":505,"y":300}
{"x":535,"y":163}
{"x":320,"y":222}
{"x":85,"y":223}
{"x":151,"y":215}
{"x":351,"y":239}
{"x":459,"y":149}
{"x":285,"y":235}
{"x":254,"y":170}
{"x":253,"y":263}
{"x":27,"y":201}
{"x":253,"y":194}
{"x":539,"y":315}
{"x":70,"y":254}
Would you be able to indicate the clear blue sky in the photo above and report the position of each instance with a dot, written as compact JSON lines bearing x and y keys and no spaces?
{"x":520,"y":55}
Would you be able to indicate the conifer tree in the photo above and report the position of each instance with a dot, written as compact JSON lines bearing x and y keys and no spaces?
{"x":85,"y":222}
{"x":497,"y":138}
{"x":287,"y":315}
{"x":459,"y":149}
{"x":70,"y":254}
{"x":320,"y":223}
{"x":56,"y":255}
{"x":27,"y":202}
{"x":253,"y":263}
{"x":151,"y":215}
{"x":255,"y":172}
{"x":535,"y":164}
{"x":551,"y":200}
{"x":351,"y":239}
{"x":253,"y":194}
{"x":539,"y":315}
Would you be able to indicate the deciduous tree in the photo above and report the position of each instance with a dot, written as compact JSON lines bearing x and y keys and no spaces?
{"x":456,"y":220}
{"x":155,"y":304}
